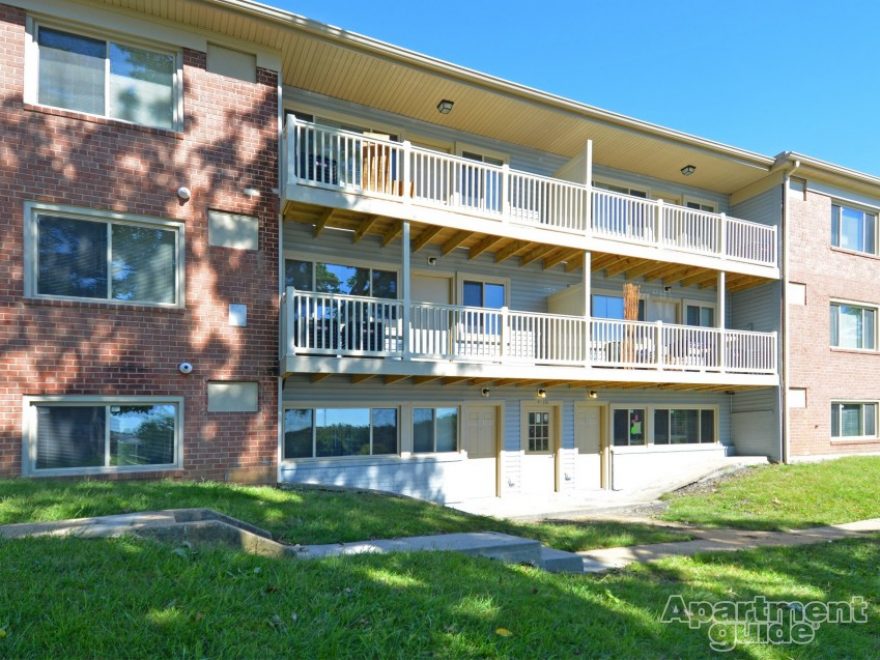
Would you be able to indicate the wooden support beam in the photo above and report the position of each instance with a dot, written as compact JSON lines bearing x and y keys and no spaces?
{"x":392,"y":233}
{"x":535,"y":254}
{"x":428,"y":234}
{"x":619,"y":267}
{"x":420,"y":380}
{"x":452,"y":380}
{"x":574,"y":264}
{"x":599,"y":261}
{"x":485,"y":245}
{"x":505,"y":381}
{"x":457,"y":239}
{"x":360,"y":378}
{"x":561,"y":256}
{"x":322,"y":221}
{"x":393,"y":379}
{"x":696,"y":277}
{"x":675,"y":274}
{"x":365,"y":226}
{"x":317,"y":378}
{"x":509,"y":250}
{"x":646,"y":266}
{"x":710,"y":281}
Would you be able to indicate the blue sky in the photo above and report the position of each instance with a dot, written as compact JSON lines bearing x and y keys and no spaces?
{"x":766,"y":76}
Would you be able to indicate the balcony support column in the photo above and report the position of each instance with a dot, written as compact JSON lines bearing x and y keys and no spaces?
{"x":721,"y":321}
{"x":406,"y":288}
{"x":588,"y":182}
{"x":588,"y":312}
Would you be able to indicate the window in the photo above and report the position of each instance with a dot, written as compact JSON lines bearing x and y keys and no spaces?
{"x":853,"y":326}
{"x":700,"y":315}
{"x":701,"y":206}
{"x":624,"y":190}
{"x":104,"y":77}
{"x":326,"y":432}
{"x":483,"y":294}
{"x":629,"y":426}
{"x":611,"y":307}
{"x":89,"y":257}
{"x":853,"y":229}
{"x":94,"y":436}
{"x":340,"y":278}
{"x":435,"y":429}
{"x":539,"y":431}
{"x":677,"y":426}
{"x":853,"y":420}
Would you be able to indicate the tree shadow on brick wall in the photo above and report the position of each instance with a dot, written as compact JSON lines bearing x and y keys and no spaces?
{"x":77,"y":347}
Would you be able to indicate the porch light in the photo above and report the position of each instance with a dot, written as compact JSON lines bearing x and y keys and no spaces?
{"x":445,"y":106}
{"x":485,"y":392}
{"x":593,"y":394}
{"x":541,"y":394}
{"x":687,"y":170}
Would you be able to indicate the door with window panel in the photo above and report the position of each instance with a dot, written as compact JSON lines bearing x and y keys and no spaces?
{"x":479,"y":186}
{"x":538,"y":469}
{"x":478,"y":328}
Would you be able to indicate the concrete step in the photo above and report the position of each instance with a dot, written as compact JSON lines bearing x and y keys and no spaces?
{"x":560,"y":561}
{"x":494,"y":545}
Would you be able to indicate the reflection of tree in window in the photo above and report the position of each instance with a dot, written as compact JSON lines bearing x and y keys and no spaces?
{"x":72,"y":257}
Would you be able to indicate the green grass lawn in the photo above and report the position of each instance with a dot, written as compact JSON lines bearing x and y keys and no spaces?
{"x":298,"y":516}
{"x":787,"y":496}
{"x":133,"y":598}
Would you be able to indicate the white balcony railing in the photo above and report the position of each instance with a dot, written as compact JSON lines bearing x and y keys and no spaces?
{"x":357,"y":326}
{"x":351,"y":162}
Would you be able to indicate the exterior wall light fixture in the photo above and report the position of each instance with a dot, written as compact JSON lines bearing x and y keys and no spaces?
{"x":687,"y":170}
{"x":445,"y":106}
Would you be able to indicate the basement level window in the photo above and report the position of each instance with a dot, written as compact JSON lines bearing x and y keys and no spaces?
{"x":854,"y":420}
{"x":330,"y":432}
{"x":99,"y":76}
{"x":81,"y":435}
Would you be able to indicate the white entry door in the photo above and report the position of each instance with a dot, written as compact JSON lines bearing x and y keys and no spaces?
{"x":431,"y":328}
{"x":539,"y":449}
{"x":587,"y":441}
{"x":480,"y":441}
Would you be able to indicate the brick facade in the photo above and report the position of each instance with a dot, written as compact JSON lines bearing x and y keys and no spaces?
{"x":827,"y":374}
{"x":229,"y":143}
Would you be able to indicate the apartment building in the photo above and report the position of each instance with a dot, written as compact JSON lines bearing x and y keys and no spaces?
{"x":245,"y":245}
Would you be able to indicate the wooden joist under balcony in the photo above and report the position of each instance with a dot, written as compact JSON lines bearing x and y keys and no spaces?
{"x":386,"y":233}
{"x":371,"y":380}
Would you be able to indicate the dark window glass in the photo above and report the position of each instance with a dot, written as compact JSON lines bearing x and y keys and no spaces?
{"x":298,"y":433}
{"x":636,"y":427}
{"x":707,"y":426}
{"x":298,"y":274}
{"x":621,"y":429}
{"x":72,"y":257}
{"x":70,"y":436}
{"x":447,"y":429}
{"x":473,"y":294}
{"x":661,"y":427}
{"x":423,"y":430}
{"x":339,"y":278}
{"x":143,"y":264}
{"x":142,"y":435}
{"x":384,"y":284}
{"x":684,"y":426}
{"x":384,"y":430}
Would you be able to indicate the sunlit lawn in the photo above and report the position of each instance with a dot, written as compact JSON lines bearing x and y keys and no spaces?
{"x":298,"y":516}
{"x":787,"y":496}
{"x":135,"y":598}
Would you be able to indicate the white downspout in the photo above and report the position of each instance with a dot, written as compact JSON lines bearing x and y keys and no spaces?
{"x":282,"y":192}
{"x":786,"y":339}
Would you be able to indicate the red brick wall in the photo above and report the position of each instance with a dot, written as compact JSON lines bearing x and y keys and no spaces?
{"x":826,"y":374}
{"x":46,"y":347}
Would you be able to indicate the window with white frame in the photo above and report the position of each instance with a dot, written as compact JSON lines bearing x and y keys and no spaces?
{"x":82,"y":436}
{"x":90,"y":256}
{"x":538,"y":432}
{"x":699,"y":315}
{"x":628,"y":426}
{"x":853,"y":229}
{"x":676,"y":426}
{"x":853,"y":326}
{"x":853,"y":420}
{"x":107,"y":77}
{"x":326,"y":277}
{"x":435,"y":430}
{"x":622,"y":189}
{"x":700,"y":206}
{"x":330,"y":432}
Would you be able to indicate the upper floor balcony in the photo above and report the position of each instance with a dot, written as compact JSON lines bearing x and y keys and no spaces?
{"x":345,"y":169}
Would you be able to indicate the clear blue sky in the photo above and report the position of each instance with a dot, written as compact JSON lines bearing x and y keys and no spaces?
{"x":766,"y":76}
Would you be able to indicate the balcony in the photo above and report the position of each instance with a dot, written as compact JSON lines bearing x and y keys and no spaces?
{"x":433,"y":335}
{"x":400,"y":180}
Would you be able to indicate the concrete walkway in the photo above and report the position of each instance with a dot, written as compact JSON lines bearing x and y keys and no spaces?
{"x":207,"y":526}
{"x":721,"y":540}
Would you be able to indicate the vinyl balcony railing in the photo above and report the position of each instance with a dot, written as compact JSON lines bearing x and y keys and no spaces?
{"x":351,"y":162}
{"x":358,"y":326}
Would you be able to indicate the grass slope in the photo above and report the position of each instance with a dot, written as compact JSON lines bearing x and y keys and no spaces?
{"x":298,"y":516}
{"x":133,"y":598}
{"x":787,"y":496}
